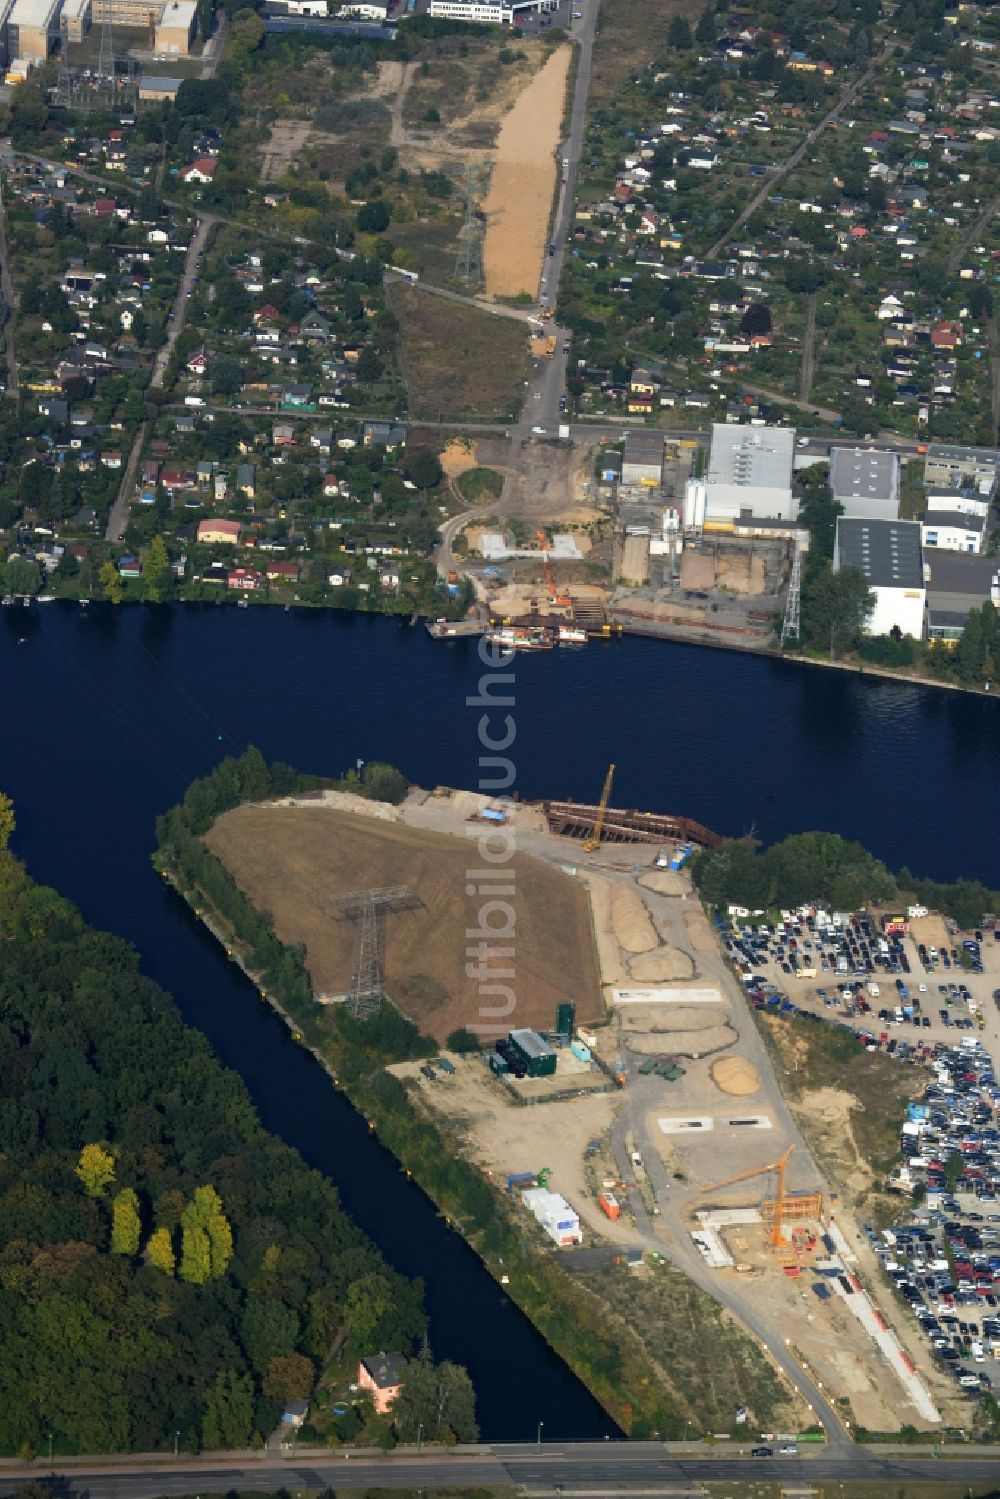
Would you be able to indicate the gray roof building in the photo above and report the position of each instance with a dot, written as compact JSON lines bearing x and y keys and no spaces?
{"x":750,"y":472}
{"x":865,"y":483}
{"x":643,"y":460}
{"x":886,"y":551}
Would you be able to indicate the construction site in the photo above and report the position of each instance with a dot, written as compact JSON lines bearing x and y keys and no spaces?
{"x":604,"y":1106}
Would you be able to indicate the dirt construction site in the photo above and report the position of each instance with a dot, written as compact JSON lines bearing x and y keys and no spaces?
{"x":688,"y":1140}
{"x":670,"y":1108}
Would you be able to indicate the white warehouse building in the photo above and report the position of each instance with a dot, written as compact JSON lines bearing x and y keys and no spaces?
{"x":750,"y":473}
{"x":555,"y":1215}
{"x":889,"y":554}
{"x":955,"y":522}
{"x":503,"y":13}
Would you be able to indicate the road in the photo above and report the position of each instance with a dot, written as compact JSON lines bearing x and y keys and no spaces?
{"x":808,"y":349}
{"x":761,"y":196}
{"x":600,"y":1469}
{"x":668,"y":1232}
{"x":7,"y":289}
{"x":118,"y":518}
{"x":995,"y":372}
{"x":972,"y":234}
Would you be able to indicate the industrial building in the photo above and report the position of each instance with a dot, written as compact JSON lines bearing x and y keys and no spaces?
{"x":956,"y":583}
{"x":76,"y":16}
{"x":949,"y":466}
{"x":32,"y":28}
{"x":889,"y":554}
{"x":536,"y":1054}
{"x":749,"y":473}
{"x":176,"y":26}
{"x":865,"y":483}
{"x":504,"y":13}
{"x":643,"y":461}
{"x":954,"y":530}
{"x":555,"y":1215}
{"x":154,"y":89}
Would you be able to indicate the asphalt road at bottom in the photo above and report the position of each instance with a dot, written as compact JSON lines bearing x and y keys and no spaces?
{"x":624,"y":1468}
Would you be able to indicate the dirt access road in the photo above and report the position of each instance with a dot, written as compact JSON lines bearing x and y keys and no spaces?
{"x":118,"y":518}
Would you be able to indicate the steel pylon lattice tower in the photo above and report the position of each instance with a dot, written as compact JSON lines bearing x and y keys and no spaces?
{"x":790,"y":622}
{"x":469,"y":258}
{"x":64,"y":84}
{"x":106,"y":57}
{"x":368,"y":908}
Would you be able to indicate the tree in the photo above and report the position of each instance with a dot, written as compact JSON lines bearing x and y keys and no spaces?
{"x":208,"y":1207}
{"x":227,"y":375}
{"x":424,"y":469}
{"x":228,"y":1416}
{"x":96,"y":1169}
{"x":679,"y":34}
{"x":7,"y":821}
{"x":818,"y":512}
{"x":369,"y":366}
{"x":461,"y":1041}
{"x":835,"y":607}
{"x":111,"y":582}
{"x":196,"y":1254}
{"x":268,"y":1329}
{"x":289,"y":1376}
{"x":156,"y":574}
{"x":22,"y":575}
{"x":705,"y":31}
{"x":437,"y":1398}
{"x":160,"y":1251}
{"x":126,"y":1224}
{"x":384,"y":783}
{"x":373,"y":217}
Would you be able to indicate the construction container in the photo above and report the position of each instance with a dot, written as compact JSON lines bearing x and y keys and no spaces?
{"x":565,"y":1018}
{"x":498,"y":1064}
{"x":520,"y":1179}
{"x":581,"y":1052}
{"x":445,"y":1065}
{"x":537,"y":1055}
{"x":647,"y":1066}
{"x":822,"y":1291}
{"x":609,"y":1202}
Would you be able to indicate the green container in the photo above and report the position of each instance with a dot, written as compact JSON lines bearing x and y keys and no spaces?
{"x":565,"y":1019}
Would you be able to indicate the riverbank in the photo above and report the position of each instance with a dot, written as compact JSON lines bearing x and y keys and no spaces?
{"x":863,"y":669}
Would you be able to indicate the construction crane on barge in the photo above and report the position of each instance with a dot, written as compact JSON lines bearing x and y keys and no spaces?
{"x":594,"y":841}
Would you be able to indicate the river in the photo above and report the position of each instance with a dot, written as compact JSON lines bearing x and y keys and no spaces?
{"x":109,"y":714}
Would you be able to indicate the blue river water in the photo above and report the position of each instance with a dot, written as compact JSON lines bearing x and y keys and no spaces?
{"x":109,"y":714}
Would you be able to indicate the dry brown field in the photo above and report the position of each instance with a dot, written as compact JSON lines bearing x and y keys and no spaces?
{"x":292,"y":861}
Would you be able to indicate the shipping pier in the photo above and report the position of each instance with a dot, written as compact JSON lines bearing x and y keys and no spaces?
{"x":624,"y":825}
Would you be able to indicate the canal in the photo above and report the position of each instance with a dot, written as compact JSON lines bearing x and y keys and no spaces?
{"x":108,"y":715}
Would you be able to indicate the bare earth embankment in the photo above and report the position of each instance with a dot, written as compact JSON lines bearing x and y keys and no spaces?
{"x":524,"y":179}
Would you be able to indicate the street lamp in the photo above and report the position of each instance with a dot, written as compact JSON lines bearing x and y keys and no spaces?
{"x":50,"y":1449}
{"x":177,"y":1443}
{"x":687,"y":1423}
{"x":540,"y":1425}
{"x":420,"y":1437}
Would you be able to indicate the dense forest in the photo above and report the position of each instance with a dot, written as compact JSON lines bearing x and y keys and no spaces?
{"x":166,"y":1266}
{"x":825,"y":867}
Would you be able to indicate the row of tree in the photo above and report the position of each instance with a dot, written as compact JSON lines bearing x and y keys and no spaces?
{"x":827,"y":868}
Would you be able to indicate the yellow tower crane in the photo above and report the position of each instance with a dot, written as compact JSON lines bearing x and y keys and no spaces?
{"x":780,"y":1207}
{"x":594,"y":841}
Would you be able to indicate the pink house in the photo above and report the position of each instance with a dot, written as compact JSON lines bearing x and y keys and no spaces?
{"x":380,"y":1375}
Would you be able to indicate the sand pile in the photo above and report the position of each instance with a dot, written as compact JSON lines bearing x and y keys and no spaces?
{"x":735,"y":1075}
{"x":457,"y":458}
{"x":665,"y":882}
{"x":698,"y":930}
{"x":664,"y":963}
{"x":630,"y":920}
